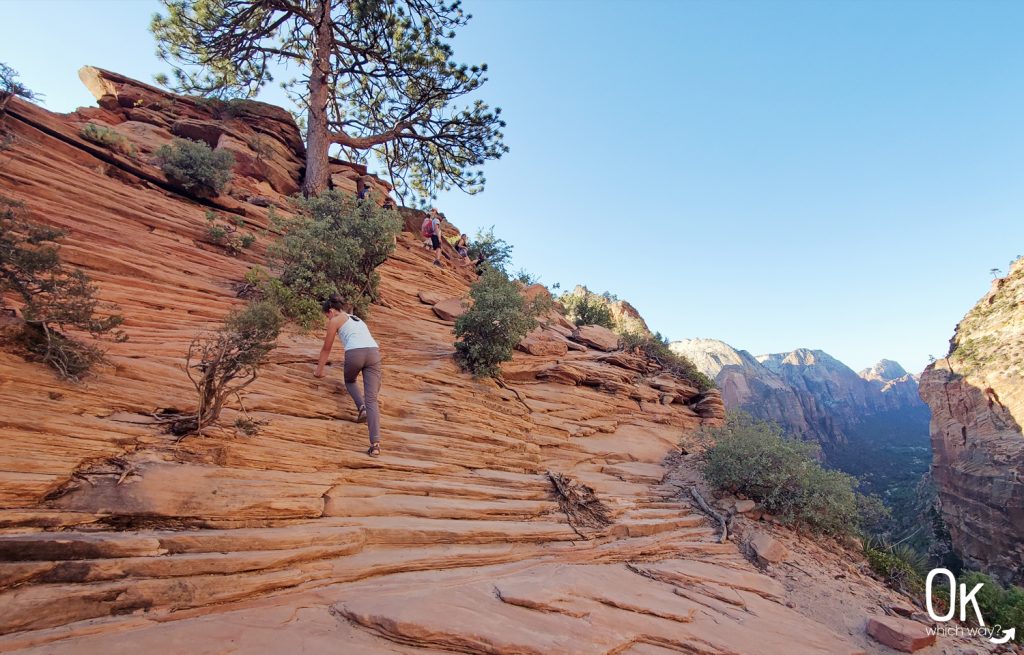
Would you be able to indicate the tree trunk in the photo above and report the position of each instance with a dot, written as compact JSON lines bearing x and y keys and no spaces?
{"x":318,"y":141}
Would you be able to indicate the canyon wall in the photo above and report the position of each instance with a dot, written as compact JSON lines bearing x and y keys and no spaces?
{"x":976,"y":395}
{"x":809,"y":393}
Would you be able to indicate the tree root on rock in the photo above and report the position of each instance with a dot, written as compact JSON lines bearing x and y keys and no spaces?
{"x":580,"y":504}
{"x":712,"y":513}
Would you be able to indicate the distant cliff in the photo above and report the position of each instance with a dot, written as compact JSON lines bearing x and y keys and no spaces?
{"x":808,"y":392}
{"x":977,"y":398}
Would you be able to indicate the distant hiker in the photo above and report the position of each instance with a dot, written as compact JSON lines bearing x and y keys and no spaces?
{"x":461,"y":245}
{"x":435,"y":235}
{"x":363,"y":189}
{"x":389,"y":203}
{"x":480,"y":263}
{"x":427,"y":228}
{"x":362,"y":355}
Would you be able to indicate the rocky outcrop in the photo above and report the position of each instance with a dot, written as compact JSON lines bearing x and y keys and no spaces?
{"x":597,"y":337}
{"x":976,"y":395}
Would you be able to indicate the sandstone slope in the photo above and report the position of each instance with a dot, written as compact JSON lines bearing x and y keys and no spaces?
{"x":116,"y":538}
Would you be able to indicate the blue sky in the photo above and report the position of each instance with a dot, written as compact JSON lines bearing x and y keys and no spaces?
{"x":833,"y":175}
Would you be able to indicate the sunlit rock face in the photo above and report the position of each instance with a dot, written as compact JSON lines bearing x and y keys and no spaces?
{"x":977,"y":399}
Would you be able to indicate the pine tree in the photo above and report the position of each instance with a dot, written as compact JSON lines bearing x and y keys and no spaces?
{"x":377,"y":75}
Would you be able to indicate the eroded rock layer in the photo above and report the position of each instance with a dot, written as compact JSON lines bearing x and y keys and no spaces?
{"x":976,"y":395}
{"x":115,"y":537}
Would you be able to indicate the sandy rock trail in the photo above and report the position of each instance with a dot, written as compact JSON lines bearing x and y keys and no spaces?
{"x":115,"y":538}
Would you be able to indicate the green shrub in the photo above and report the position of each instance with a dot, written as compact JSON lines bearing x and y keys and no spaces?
{"x":108,"y":138}
{"x":654,"y":346}
{"x":497,"y":252}
{"x":228,"y":234}
{"x":900,"y":567}
{"x":753,"y":458}
{"x":195,"y":167}
{"x":334,"y":245}
{"x":55,"y":297}
{"x":222,"y":364}
{"x":587,"y":309}
{"x":497,"y":321}
{"x":1003,"y":606}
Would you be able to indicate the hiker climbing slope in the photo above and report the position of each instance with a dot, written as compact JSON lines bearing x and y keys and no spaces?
{"x":362,"y":355}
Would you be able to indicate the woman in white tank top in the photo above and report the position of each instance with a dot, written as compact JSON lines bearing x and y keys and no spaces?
{"x":362,"y":355}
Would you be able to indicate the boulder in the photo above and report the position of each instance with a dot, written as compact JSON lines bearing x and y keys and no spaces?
{"x":744,"y":506}
{"x":900,"y":634}
{"x":535,"y":291}
{"x":597,"y":337}
{"x":430,"y":297}
{"x":710,"y":405}
{"x":767,"y":549}
{"x":541,"y":342}
{"x":450,"y":309}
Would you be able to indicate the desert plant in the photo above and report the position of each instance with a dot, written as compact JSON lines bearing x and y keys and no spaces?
{"x":54,"y":297}
{"x":655,"y":347}
{"x":587,"y":309}
{"x":223,"y":363}
{"x":108,"y":138}
{"x":9,"y":88}
{"x":228,"y":234}
{"x":334,"y":245}
{"x":498,"y":320}
{"x":754,"y":458}
{"x":497,"y":252}
{"x":195,"y":167}
{"x":899,"y":566}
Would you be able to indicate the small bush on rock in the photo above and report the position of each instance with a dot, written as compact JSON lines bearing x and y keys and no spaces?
{"x":54,"y":297}
{"x":587,"y":309}
{"x":753,"y":458}
{"x":229,"y":234}
{"x":108,"y":138}
{"x":497,"y":252}
{"x":654,"y":346}
{"x":222,"y":364}
{"x":195,"y":167}
{"x":498,"y":320}
{"x":900,"y":567}
{"x":333,"y":246}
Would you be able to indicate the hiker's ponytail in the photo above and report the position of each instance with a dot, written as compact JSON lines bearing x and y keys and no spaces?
{"x":337,"y":303}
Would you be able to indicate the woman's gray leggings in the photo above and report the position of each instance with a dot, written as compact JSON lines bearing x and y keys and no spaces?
{"x":367,"y":361}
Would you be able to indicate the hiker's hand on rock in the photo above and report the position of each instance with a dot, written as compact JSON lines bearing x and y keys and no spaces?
{"x":318,"y":373}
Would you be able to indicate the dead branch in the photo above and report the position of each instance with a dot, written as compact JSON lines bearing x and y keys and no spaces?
{"x":712,"y":513}
{"x":581,"y":506}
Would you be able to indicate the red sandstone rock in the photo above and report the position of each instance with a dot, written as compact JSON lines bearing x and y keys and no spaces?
{"x":900,"y":634}
{"x":767,"y":548}
{"x":597,"y":337}
{"x":430,"y":297}
{"x":450,"y":309}
{"x":543,"y":343}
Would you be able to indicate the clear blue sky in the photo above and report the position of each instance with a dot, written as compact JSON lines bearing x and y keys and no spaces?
{"x":834,"y":175}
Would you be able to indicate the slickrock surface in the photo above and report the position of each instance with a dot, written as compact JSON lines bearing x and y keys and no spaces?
{"x":115,"y":538}
{"x":977,"y":400}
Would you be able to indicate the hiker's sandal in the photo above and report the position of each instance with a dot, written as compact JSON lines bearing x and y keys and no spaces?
{"x":361,"y":415}
{"x":374,"y":450}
